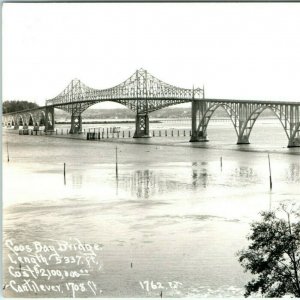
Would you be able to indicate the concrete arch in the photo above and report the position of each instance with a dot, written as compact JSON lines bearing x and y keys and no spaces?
{"x":203,"y":124}
{"x":26,"y":119}
{"x":41,"y":118}
{"x":38,"y":116}
{"x":20,"y":120}
{"x":4,"y":121}
{"x":32,"y":119}
{"x":255,"y":114}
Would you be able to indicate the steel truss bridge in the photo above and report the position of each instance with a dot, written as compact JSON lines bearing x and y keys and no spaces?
{"x":144,"y":93}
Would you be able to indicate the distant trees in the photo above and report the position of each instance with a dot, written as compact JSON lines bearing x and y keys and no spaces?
{"x":273,"y":255}
{"x":12,"y":106}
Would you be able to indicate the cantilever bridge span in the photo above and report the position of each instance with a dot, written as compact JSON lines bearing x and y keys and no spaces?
{"x":144,"y":93}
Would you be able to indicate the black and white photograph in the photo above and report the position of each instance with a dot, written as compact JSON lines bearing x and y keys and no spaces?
{"x":150,"y":150}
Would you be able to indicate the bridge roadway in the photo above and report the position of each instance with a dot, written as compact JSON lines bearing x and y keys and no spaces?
{"x":144,"y":93}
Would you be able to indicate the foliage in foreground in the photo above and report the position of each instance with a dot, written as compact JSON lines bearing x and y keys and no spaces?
{"x":273,"y":255}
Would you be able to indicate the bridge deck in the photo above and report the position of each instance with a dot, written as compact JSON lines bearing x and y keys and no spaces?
{"x":266,"y":102}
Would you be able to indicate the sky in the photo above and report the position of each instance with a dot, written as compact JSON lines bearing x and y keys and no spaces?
{"x":236,"y":50}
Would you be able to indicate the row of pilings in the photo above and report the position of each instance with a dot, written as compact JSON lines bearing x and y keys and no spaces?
{"x":101,"y":133}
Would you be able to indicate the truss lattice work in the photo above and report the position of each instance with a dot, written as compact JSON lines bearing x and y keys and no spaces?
{"x":142,"y":93}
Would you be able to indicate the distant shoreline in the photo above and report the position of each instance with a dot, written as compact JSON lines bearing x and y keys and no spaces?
{"x":105,"y":122}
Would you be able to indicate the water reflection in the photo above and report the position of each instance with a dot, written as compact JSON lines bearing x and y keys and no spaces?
{"x":147,"y":183}
{"x":245,"y":175}
{"x":141,"y":183}
{"x":293,"y":173}
{"x":200,"y":178}
{"x":77,"y":180}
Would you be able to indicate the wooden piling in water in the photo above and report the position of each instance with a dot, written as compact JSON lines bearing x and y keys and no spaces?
{"x":65,"y":173}
{"x":221,"y":162}
{"x":7,"y":152}
{"x":270,"y":173}
{"x":116,"y":161}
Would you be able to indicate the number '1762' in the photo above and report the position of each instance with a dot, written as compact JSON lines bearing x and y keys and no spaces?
{"x":149,"y":285}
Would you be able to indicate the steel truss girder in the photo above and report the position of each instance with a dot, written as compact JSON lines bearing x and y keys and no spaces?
{"x":137,"y":105}
{"x":142,"y":92}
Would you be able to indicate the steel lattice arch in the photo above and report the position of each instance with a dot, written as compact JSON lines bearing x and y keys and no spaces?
{"x":143,"y":93}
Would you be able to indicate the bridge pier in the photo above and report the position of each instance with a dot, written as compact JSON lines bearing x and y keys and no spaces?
{"x":294,"y":139}
{"x":294,"y":132}
{"x":294,"y":143}
{"x":198,"y":111}
{"x":142,"y":126}
{"x":199,"y":137}
{"x":244,"y":139}
{"x":76,"y":124}
{"x":49,"y":119}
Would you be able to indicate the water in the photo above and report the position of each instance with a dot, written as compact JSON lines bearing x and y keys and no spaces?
{"x":172,"y":210}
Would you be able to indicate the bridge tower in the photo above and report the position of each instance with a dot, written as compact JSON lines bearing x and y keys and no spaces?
{"x":142,"y":117}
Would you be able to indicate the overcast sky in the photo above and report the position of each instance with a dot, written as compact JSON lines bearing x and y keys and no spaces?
{"x":241,"y":51}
